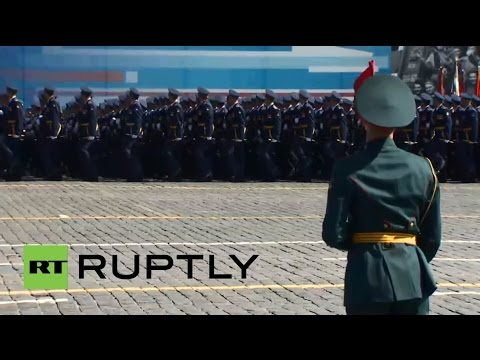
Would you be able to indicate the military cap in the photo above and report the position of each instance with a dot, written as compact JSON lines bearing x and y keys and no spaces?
{"x":202,"y":91}
{"x":438,"y":96}
{"x":287,"y":98}
{"x":260,"y":97}
{"x":319,"y":100}
{"x":455,"y":99}
{"x":279,"y":100}
{"x":335,"y":95}
{"x":86,"y":91}
{"x":476,"y":98}
{"x":311,"y":100}
{"x":12,"y":89}
{"x":270,"y":93}
{"x":233,"y":93}
{"x":143,"y":102}
{"x":295,"y":96}
{"x":35,"y":104}
{"x":304,"y":94}
{"x":162,"y":96}
{"x":447,"y":99}
{"x":347,"y":101}
{"x":466,"y":96}
{"x":49,"y":90}
{"x":133,"y":92}
{"x":101,"y":106}
{"x":385,"y":101}
{"x":174,"y":92}
{"x":192,"y":98}
{"x":150,"y":100}
{"x":426,"y":97}
{"x":222,"y":99}
{"x":327,"y":97}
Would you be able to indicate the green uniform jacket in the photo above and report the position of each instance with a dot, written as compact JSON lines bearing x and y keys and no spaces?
{"x":384,"y":189}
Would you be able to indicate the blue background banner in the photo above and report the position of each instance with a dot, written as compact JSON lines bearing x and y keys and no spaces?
{"x":110,"y":70}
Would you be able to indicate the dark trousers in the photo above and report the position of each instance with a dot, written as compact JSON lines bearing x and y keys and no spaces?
{"x":465,"y":161}
{"x":332,"y":150}
{"x":303,"y":152}
{"x":88,"y":170}
{"x":49,"y":159}
{"x":407,"y":307}
{"x":11,"y":150}
{"x":131,"y":154}
{"x":172,"y":157}
{"x":267,"y":168}
{"x":203,"y":159}
{"x":233,"y":154}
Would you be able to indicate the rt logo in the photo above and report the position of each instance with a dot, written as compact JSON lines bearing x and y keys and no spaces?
{"x":45,"y":267}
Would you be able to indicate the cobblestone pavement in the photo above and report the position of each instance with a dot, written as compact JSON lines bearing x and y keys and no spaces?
{"x":295,"y":273}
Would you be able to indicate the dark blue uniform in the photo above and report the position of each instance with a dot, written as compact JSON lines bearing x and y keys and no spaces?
{"x":437,"y":149}
{"x":303,"y":131}
{"x":406,"y":137}
{"x":202,"y":132}
{"x":219,"y":165}
{"x":466,"y":137}
{"x":173,"y":135}
{"x":12,"y":150}
{"x":336,"y":132}
{"x":234,"y":148}
{"x":131,"y":129}
{"x":86,"y":130}
{"x":288,"y":159}
{"x":49,"y":129}
{"x":268,"y":135}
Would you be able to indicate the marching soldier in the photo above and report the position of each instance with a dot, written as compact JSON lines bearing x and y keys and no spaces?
{"x":173,"y":130}
{"x":49,"y":129}
{"x":202,"y":132}
{"x":219,"y":113}
{"x":441,"y":127}
{"x":336,"y":133}
{"x":11,"y":147}
{"x":350,"y":117}
{"x":406,"y":137}
{"x":303,"y":130}
{"x":3,"y":107}
{"x":476,"y":106}
{"x":425,"y":113}
{"x":270,"y":123}
{"x":252,"y":135}
{"x":86,"y":131}
{"x":466,"y":138}
{"x":286,"y":156}
{"x":233,"y":148}
{"x":149,"y":152}
{"x":390,"y":245}
{"x":131,"y":129}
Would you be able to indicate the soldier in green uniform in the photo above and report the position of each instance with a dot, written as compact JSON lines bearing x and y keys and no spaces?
{"x":391,"y":245}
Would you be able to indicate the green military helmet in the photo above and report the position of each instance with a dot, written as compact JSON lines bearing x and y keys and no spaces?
{"x":385,"y":101}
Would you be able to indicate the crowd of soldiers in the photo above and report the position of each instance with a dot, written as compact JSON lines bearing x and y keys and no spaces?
{"x":264,"y":137}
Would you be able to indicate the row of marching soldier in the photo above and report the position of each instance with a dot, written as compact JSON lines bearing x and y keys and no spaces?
{"x":264,"y":137}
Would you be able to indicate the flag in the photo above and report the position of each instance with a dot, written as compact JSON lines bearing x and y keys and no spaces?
{"x":477,"y":92}
{"x":456,"y":80}
{"x":369,"y":71}
{"x":440,"y":86}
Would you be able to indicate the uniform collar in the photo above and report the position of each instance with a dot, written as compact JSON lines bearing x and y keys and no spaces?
{"x":380,"y":143}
